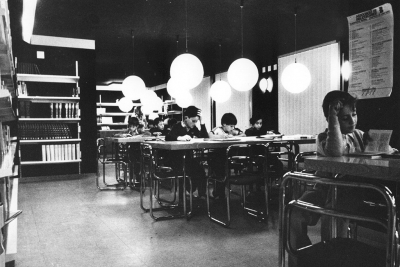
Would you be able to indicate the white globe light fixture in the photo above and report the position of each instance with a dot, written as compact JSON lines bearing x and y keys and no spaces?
{"x":157,"y":103}
{"x":270,"y":85}
{"x":242,"y":74}
{"x":220,"y":91}
{"x":173,"y":87}
{"x":263,"y":84}
{"x":146,"y":110}
{"x":346,"y":70}
{"x":125,"y":104}
{"x":132,"y":87}
{"x":148,"y":97}
{"x":187,"y":70}
{"x":153,"y":116}
{"x":184,"y":99}
{"x":296,"y":78}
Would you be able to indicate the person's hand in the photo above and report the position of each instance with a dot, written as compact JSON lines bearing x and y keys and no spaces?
{"x":184,"y":138}
{"x":199,"y":115}
{"x":335,"y":107}
{"x":367,"y":138}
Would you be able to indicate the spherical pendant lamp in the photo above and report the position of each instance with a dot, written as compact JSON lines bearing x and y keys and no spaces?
{"x":296,"y":78}
{"x":187,"y":70}
{"x":146,"y":110}
{"x":270,"y":83}
{"x":220,"y":91}
{"x":147,"y":97}
{"x":184,"y":99}
{"x":346,"y":70}
{"x":125,"y":104}
{"x":173,"y":87}
{"x":263,"y":84}
{"x":132,"y":87}
{"x":153,"y":116}
{"x":242,"y":74}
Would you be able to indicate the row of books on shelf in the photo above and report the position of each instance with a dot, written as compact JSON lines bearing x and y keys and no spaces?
{"x":61,"y":152}
{"x":37,"y":131}
{"x":56,"y":110}
{"x":5,"y":138}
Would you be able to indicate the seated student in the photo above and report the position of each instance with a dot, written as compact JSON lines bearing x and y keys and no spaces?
{"x":142,"y":131}
{"x":227,"y":128}
{"x":185,"y":131}
{"x":217,"y":156}
{"x":133,"y":124}
{"x":150,"y":124}
{"x":169,"y":123}
{"x":340,"y":138}
{"x":133,"y":148}
{"x":255,"y":129}
{"x":159,"y":127}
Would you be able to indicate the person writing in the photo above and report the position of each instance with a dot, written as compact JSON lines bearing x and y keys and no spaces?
{"x":186,"y":130}
{"x":159,"y":128}
{"x":255,"y":129}
{"x":227,"y":128}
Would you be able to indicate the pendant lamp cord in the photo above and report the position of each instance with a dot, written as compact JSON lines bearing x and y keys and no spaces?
{"x":295,"y":35}
{"x":241,"y":21}
{"x":220,"y":62}
{"x":177,"y":45}
{"x":133,"y":52}
{"x":186,"y":26}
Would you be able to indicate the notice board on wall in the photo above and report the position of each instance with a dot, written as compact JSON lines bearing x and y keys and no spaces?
{"x":371,"y":52}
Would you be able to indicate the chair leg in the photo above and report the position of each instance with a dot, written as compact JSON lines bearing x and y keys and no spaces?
{"x":210,"y":216}
{"x":118,"y":186}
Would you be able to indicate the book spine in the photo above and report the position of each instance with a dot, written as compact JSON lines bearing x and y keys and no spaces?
{"x":73,"y":152}
{"x":78,"y":151}
{"x":43,"y":152}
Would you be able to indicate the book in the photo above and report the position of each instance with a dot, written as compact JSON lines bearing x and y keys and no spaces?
{"x":43,"y":152}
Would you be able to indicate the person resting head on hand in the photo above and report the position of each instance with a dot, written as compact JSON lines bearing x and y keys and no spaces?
{"x":189,"y":127}
{"x":341,"y":137}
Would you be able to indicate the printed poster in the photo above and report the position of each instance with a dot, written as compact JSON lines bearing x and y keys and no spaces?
{"x":371,"y":52}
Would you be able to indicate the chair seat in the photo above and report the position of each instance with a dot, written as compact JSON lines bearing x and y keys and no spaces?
{"x":341,"y":252}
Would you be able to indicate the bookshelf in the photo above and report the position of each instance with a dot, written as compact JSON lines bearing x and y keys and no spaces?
{"x":9,"y":163}
{"x":49,"y":120}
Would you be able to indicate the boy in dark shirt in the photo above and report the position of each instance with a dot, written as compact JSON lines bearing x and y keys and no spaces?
{"x":184,"y":131}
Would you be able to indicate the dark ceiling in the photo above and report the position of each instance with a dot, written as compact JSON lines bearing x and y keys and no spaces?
{"x":156,"y":24}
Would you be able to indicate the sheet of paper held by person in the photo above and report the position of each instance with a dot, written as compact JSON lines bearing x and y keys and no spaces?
{"x":379,"y":141}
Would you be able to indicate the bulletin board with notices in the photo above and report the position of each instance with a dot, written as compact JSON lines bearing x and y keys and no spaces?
{"x":371,"y":52}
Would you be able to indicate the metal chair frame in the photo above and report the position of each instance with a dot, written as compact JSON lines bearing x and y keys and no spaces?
{"x":246,"y":161}
{"x":284,"y":213}
{"x":117,"y":162}
{"x":154,"y":173}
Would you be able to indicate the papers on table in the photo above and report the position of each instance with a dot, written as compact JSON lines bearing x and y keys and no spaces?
{"x":379,"y":141}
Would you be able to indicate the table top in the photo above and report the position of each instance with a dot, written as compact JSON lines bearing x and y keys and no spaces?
{"x":201,"y":143}
{"x":383,"y":168}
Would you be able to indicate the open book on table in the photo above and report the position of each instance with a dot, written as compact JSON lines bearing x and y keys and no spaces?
{"x":378,"y":145}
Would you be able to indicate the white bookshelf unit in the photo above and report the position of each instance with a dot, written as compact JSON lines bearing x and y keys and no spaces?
{"x":52,"y":134}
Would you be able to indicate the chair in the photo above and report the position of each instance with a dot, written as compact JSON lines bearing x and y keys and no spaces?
{"x":119,"y":160}
{"x":152,"y":174}
{"x":337,"y":251}
{"x":249,"y":175}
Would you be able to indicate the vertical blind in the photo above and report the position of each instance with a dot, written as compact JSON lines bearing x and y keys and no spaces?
{"x":201,"y":100}
{"x":302,"y":113}
{"x":239,"y":104}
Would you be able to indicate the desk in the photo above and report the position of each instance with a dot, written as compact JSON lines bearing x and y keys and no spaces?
{"x":384,"y":168}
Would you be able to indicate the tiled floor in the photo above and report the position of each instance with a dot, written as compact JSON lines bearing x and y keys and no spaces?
{"x":71,"y":223}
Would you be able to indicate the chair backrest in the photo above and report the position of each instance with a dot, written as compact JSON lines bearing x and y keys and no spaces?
{"x":300,"y":158}
{"x":246,"y":156}
{"x":101,"y":149}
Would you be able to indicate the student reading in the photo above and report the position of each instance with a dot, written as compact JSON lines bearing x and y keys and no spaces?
{"x":340,"y":138}
{"x":184,"y":131}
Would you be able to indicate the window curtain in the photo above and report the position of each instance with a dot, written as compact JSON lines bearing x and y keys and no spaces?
{"x":302,"y":113}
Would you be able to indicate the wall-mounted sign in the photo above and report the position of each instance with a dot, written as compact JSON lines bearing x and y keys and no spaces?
{"x":371,"y":52}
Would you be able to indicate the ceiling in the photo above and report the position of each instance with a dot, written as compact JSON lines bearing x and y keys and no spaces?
{"x":157,"y":25}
